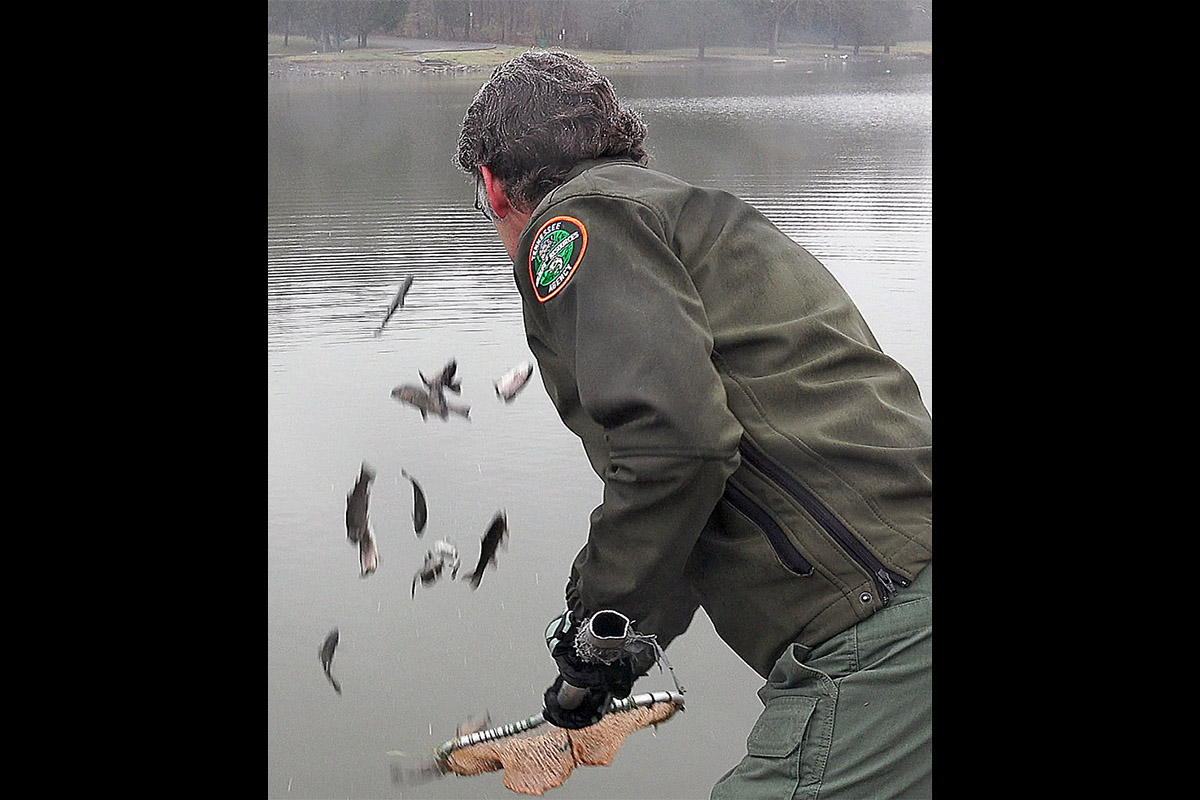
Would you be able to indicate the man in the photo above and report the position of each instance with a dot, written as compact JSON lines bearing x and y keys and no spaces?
{"x":761,"y":456}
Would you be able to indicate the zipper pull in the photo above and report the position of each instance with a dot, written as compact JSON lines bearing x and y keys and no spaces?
{"x":885,"y":582}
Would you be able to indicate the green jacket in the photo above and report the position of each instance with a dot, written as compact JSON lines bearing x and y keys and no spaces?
{"x":761,"y":456}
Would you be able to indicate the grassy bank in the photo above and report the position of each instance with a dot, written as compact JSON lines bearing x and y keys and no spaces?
{"x":299,"y":55}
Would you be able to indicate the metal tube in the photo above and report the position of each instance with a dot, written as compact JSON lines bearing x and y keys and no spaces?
{"x":607,"y":630}
{"x":570,"y":696}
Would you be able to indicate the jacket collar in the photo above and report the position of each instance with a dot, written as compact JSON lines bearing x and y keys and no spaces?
{"x":584,"y":166}
{"x":577,"y":170}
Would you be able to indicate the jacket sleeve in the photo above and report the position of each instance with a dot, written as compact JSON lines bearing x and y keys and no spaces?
{"x":632,"y":322}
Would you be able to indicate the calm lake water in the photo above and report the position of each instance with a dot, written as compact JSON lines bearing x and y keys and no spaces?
{"x":361,"y":192}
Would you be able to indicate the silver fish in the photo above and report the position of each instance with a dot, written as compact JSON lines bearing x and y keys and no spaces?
{"x":496,"y":535}
{"x":443,"y":555}
{"x":445,"y":379}
{"x":397,"y":302}
{"x":368,"y":553}
{"x":449,"y":554}
{"x":513,"y":381}
{"x":356,"y":504}
{"x":428,"y":403}
{"x":423,"y":771}
{"x":420,"y":510}
{"x":326,"y":654}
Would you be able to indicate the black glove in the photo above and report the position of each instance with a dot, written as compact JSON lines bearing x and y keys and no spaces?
{"x":616,"y":678}
{"x":588,"y":712}
{"x":602,"y":682}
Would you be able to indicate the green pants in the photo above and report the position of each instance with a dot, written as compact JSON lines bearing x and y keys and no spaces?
{"x":853,"y":718}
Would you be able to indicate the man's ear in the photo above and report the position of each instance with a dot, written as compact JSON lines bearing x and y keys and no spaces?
{"x":495,"y":192}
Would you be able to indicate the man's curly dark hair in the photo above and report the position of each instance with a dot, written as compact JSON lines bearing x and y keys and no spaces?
{"x":538,"y":116}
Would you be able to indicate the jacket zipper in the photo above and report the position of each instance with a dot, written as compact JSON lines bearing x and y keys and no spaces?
{"x":885,"y":580}
{"x":787,"y":552}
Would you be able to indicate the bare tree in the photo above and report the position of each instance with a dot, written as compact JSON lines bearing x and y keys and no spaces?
{"x":777,"y":9}
{"x":372,"y":16}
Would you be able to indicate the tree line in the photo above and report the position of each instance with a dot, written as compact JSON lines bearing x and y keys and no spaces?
{"x":614,"y":25}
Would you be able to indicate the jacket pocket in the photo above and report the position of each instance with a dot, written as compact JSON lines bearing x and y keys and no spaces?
{"x":784,"y":482}
{"x":781,"y":726}
{"x":785,"y":551}
{"x":785,"y":756}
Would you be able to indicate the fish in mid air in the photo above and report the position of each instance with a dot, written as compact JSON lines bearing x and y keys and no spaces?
{"x":442,"y":555}
{"x":426,"y":770}
{"x":428,"y":403}
{"x":513,"y":381}
{"x":368,"y":553}
{"x":497,"y":532}
{"x":397,"y":302}
{"x":356,"y":504}
{"x":429,"y":768}
{"x":446,"y":379}
{"x":326,"y":654}
{"x":436,"y":389}
{"x":420,"y":510}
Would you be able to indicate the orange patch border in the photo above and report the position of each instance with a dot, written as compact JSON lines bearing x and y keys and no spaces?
{"x":583,"y":235}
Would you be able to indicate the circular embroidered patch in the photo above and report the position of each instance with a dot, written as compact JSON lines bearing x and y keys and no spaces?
{"x":554,"y":255}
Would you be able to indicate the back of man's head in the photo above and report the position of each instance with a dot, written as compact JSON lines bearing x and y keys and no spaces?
{"x":539,"y":115}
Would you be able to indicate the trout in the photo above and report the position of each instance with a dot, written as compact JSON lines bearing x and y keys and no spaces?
{"x":442,"y":555}
{"x":420,"y":510}
{"x":356,"y":504}
{"x":428,"y":403}
{"x":496,"y":535}
{"x":397,"y":302}
{"x":513,"y":381}
{"x":326,"y":654}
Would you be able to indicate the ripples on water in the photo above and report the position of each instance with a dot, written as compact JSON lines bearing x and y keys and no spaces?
{"x":847,"y":174}
{"x":333,"y":273}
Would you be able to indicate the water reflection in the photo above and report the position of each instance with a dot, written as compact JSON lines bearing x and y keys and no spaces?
{"x":905,"y":105}
{"x":333,"y":273}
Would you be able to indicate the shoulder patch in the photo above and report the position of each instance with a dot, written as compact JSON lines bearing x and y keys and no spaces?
{"x":555,"y":254}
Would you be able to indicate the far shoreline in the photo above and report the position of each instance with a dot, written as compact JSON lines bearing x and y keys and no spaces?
{"x":407,"y":56}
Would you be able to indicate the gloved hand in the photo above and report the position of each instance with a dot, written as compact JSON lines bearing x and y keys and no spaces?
{"x":602,"y":681}
{"x":588,"y":712}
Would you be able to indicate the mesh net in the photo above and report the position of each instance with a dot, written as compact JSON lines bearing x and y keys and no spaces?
{"x":534,"y":764}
